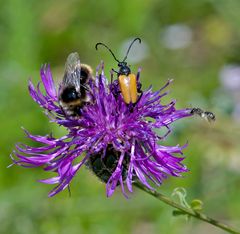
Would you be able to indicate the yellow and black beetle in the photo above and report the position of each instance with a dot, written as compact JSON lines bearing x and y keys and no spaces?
{"x":128,"y":83}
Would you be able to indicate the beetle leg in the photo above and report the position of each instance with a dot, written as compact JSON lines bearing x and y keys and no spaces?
{"x":131,"y":106}
{"x":114,"y":71}
{"x":141,"y":93}
{"x":111,"y":76}
{"x":115,"y":88}
{"x":138,"y":75}
{"x":139,"y":87}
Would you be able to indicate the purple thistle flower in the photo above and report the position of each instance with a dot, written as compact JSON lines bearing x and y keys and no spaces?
{"x":118,"y":143}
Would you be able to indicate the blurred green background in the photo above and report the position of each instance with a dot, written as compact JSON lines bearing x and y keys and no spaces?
{"x":195,"y":42}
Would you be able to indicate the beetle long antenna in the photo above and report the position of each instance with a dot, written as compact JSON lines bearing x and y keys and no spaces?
{"x":136,"y":39}
{"x":96,"y":46}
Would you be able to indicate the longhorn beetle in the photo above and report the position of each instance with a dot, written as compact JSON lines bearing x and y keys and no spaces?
{"x":128,"y":81}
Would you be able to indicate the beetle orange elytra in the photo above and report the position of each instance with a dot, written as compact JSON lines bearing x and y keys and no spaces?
{"x":127,"y":80}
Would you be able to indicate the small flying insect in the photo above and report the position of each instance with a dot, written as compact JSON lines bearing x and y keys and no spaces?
{"x":75,"y":90}
{"x":207,"y":115}
{"x":128,"y":82}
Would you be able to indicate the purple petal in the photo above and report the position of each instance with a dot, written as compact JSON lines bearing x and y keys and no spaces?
{"x":48,"y":82}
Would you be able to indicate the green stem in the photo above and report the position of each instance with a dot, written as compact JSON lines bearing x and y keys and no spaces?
{"x":187,"y":211}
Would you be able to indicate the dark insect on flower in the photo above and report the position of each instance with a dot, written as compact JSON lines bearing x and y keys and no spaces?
{"x":119,"y":145}
{"x":128,"y":83}
{"x":74,"y":90}
{"x":103,"y":166}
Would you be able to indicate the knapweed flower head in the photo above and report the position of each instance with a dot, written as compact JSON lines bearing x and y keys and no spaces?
{"x":120,"y":143}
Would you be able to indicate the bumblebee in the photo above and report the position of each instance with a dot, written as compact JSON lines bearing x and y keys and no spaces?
{"x":75,"y":90}
{"x":209,"y":116}
{"x":128,"y":82}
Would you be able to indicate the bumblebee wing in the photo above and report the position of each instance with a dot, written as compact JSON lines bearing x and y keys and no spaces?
{"x":72,"y":71}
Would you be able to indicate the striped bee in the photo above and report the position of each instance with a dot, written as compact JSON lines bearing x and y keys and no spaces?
{"x":207,"y":115}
